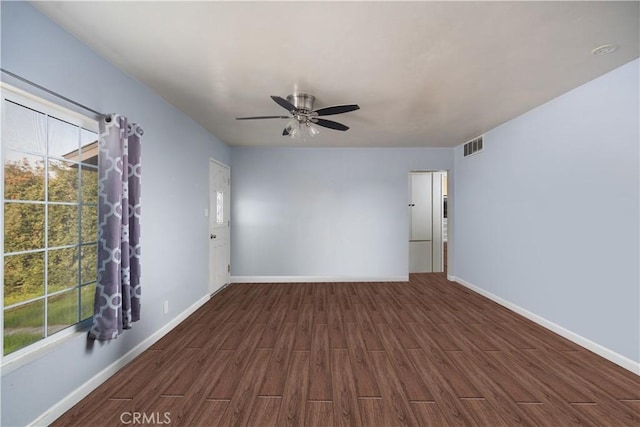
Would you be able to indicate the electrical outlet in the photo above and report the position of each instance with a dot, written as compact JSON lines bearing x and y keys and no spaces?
{"x":166,"y":307}
{"x":206,"y":212}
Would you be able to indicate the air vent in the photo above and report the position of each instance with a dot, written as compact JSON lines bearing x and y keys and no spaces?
{"x":474,"y":146}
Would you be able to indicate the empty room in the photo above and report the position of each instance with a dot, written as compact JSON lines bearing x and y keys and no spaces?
{"x":320,"y":213}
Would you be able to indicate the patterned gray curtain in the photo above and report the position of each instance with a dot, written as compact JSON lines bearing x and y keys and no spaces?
{"x":117,"y":300}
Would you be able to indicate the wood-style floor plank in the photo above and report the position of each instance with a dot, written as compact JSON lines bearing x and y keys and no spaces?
{"x":507,"y":379}
{"x":532,"y":362}
{"x":428,"y":414}
{"x":484,"y":414}
{"x":319,"y":413}
{"x":173,"y":372}
{"x":426,"y":326}
{"x":442,"y":389}
{"x":344,"y":303}
{"x":498,"y":406}
{"x":427,"y":352}
{"x":162,"y":410}
{"x":435,"y":360}
{"x":320,"y":365}
{"x":273,"y":384}
{"x":208,"y":414}
{"x":413,"y":385}
{"x":272,"y":329}
{"x":239,"y":409}
{"x":373,"y":309}
{"x":240,"y":329}
{"x":398,"y":328}
{"x":294,"y":398}
{"x":294,"y":303}
{"x":320,"y":304}
{"x":366,"y":384}
{"x":191,"y":373}
{"x":374,"y":412}
{"x":234,"y":369}
{"x":345,"y":396}
{"x":272,"y":301}
{"x":367,"y":329}
{"x":617,"y":384}
{"x":396,"y":402}
{"x":304,"y":328}
{"x":336,"y":327}
{"x":135,"y":382}
{"x":265,"y":411}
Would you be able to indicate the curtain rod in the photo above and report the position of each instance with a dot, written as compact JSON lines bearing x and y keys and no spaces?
{"x":50,"y":92}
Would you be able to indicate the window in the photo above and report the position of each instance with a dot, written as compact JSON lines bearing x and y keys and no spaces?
{"x":219,"y":207}
{"x":50,"y":194}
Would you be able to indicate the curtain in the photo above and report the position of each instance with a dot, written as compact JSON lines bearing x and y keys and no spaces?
{"x":117,"y":298}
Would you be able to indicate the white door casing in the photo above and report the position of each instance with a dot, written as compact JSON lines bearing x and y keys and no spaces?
{"x":219,"y":224}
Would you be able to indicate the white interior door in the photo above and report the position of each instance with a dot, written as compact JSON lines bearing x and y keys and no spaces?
{"x":219,"y":222}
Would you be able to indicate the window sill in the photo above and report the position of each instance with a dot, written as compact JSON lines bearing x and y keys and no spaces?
{"x":39,"y":349}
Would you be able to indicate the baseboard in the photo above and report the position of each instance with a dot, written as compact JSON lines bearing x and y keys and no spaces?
{"x":600,"y":350}
{"x":315,"y":279}
{"x":81,"y":392}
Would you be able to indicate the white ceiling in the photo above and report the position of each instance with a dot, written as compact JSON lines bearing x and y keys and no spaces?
{"x":431,"y":74}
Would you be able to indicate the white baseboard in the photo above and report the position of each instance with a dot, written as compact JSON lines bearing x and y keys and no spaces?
{"x":605,"y":352}
{"x":81,"y":392}
{"x":315,"y":279}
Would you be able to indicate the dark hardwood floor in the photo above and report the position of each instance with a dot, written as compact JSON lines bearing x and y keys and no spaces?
{"x":427,"y":352}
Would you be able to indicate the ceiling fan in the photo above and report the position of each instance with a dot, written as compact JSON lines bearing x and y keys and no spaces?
{"x":303,"y":116}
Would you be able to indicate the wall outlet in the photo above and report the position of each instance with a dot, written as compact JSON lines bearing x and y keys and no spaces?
{"x":206,"y":212}
{"x":166,"y":307}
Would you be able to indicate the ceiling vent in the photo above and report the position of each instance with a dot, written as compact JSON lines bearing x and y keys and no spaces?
{"x":474,"y":146}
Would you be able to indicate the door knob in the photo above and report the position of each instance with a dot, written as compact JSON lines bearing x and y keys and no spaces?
{"x":212,"y":236}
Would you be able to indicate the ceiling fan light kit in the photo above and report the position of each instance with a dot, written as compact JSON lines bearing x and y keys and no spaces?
{"x":303,"y":117}
{"x":301,"y":129}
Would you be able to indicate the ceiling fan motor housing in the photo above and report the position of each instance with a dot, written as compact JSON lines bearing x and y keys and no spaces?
{"x":302,"y":101}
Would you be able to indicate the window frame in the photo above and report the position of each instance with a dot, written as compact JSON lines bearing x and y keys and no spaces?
{"x":34,"y":350}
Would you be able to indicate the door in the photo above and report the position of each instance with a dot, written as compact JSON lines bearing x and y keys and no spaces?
{"x":421,"y":207}
{"x":425,"y":222}
{"x":437,"y":212}
{"x":219,"y":222}
{"x":420,"y":222}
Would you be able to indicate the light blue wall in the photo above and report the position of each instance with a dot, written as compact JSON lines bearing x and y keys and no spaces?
{"x":324,"y":211}
{"x":547,"y":216}
{"x":174,"y":195}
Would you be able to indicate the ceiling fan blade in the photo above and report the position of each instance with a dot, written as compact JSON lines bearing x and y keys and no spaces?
{"x":337,"y":109}
{"x":330,"y":124}
{"x":263,"y":117}
{"x":284,"y":103}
